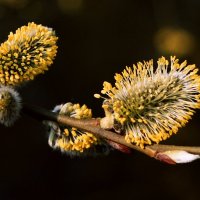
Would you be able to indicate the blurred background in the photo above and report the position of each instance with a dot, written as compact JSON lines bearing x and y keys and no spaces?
{"x":96,"y":40}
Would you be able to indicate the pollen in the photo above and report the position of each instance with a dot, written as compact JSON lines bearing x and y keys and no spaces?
{"x":26,"y":53}
{"x":151,"y":104}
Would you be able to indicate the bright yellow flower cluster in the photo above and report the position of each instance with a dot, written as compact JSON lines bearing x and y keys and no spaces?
{"x":69,"y":139}
{"x":80,"y":143}
{"x":148,"y":104}
{"x":26,"y":53}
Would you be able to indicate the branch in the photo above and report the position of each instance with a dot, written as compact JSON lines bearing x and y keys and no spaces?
{"x":165,"y":153}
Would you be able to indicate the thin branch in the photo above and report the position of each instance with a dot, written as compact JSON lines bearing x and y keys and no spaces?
{"x":92,"y":125}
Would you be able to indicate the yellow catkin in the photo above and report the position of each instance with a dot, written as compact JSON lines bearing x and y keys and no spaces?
{"x":26,"y":53}
{"x":149,"y":105}
{"x":69,"y":139}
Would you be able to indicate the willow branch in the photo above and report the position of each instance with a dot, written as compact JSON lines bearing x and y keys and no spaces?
{"x":92,"y":125}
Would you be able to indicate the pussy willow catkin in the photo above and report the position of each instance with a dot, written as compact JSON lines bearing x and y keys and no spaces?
{"x":73,"y":141}
{"x":27,"y":53}
{"x":10,"y":105}
{"x":150,"y":104}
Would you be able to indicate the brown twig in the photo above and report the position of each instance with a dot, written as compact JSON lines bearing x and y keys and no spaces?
{"x":92,"y":126}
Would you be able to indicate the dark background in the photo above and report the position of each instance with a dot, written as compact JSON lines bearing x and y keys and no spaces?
{"x":97,"y":39}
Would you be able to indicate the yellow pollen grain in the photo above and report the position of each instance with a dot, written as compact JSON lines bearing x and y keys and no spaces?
{"x":97,"y":96}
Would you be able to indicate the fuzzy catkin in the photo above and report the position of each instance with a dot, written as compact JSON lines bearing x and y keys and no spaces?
{"x":73,"y":141}
{"x":26,"y":53}
{"x":149,"y":105}
{"x":10,"y":105}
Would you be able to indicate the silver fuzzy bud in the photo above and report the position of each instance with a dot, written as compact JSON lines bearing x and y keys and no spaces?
{"x":10,"y":105}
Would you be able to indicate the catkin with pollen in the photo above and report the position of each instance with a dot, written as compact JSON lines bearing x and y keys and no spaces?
{"x":149,"y":105}
{"x":73,"y":141}
{"x":26,"y":53}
